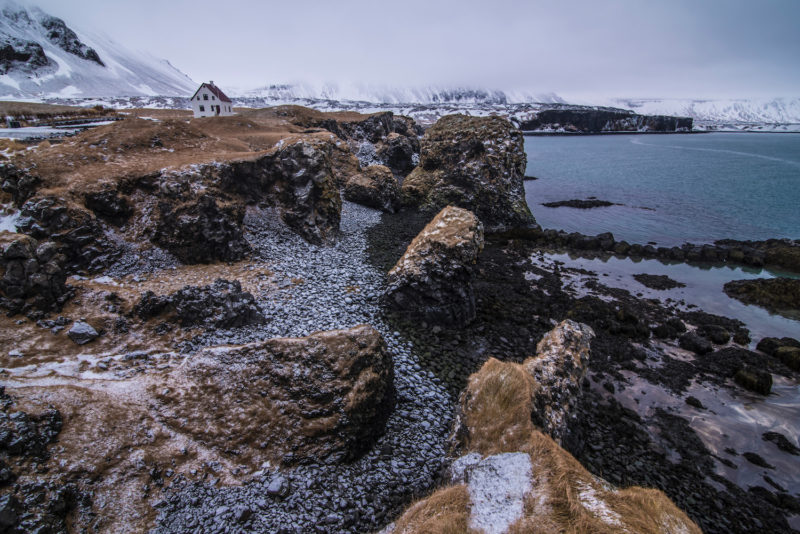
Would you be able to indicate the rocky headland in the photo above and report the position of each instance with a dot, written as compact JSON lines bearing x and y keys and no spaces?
{"x":296,"y":321}
{"x":571,"y":119}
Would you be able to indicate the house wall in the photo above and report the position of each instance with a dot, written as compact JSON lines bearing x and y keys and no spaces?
{"x":225,"y":108}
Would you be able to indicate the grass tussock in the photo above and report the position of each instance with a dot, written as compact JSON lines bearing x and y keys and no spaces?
{"x":565,"y":497}
{"x":444,"y":512}
{"x":497,"y":408}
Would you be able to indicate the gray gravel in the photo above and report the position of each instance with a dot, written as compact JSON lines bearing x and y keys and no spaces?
{"x":359,"y":497}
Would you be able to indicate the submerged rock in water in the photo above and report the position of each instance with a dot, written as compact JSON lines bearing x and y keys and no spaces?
{"x":580,"y":204}
{"x":475,"y":163}
{"x":321,"y":398}
{"x":433,"y":279}
{"x":659,"y":282}
{"x":777,"y":295}
{"x":375,"y":187}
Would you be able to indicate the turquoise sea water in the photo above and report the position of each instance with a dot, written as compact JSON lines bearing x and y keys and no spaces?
{"x":675,"y":188}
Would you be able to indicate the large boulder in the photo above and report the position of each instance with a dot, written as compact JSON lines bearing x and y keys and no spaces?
{"x":398,"y":153}
{"x":375,"y":187}
{"x":476,"y":163}
{"x":201,"y":229}
{"x":433,"y":279}
{"x":321,"y":398}
{"x":33,"y":275}
{"x":559,"y":368}
{"x":222,"y":304}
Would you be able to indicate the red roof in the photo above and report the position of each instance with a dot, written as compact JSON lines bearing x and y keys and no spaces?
{"x":214,"y":89}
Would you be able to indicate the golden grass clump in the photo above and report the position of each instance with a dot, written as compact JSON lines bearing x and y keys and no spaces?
{"x":444,"y":512}
{"x":496,"y":408}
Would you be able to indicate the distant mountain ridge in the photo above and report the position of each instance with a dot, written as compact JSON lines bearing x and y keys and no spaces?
{"x":721,"y":111}
{"x":41,"y":57}
{"x":380,"y":94}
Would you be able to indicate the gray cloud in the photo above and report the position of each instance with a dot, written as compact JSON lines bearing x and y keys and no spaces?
{"x":579,"y":49}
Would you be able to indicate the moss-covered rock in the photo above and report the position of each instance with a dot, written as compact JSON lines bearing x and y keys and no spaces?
{"x":475,"y":163}
{"x":433,"y":279}
{"x":375,"y":187}
{"x":777,"y":295}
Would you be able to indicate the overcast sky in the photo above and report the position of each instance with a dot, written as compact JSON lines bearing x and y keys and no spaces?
{"x":578,"y":49}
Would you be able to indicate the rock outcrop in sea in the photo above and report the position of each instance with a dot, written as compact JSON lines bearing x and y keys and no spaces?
{"x":475,"y":163}
{"x":599,"y":120}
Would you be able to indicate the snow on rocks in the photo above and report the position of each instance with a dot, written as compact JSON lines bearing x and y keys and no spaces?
{"x":497,"y":487}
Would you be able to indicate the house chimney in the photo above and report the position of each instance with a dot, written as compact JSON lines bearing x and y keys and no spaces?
{"x":211,"y":82}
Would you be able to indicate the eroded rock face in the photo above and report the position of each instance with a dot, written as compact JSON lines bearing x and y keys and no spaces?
{"x":325,"y":397}
{"x":375,"y":187}
{"x":297,"y":178}
{"x":433,"y":279}
{"x":34,"y":276}
{"x":73,"y":227}
{"x":559,"y":368}
{"x":201,"y":230}
{"x":476,"y":163}
{"x":397,"y":153}
{"x":222,"y":304}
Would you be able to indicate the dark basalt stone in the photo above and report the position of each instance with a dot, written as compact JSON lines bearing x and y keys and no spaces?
{"x":692,"y":342}
{"x":222,"y":304}
{"x":201,"y":230}
{"x":580,"y":204}
{"x":657,"y":281}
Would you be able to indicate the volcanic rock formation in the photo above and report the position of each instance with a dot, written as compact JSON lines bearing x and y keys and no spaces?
{"x":475,"y":163}
{"x":433,"y":279}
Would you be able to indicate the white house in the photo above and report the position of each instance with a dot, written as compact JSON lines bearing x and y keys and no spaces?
{"x":210,"y":101}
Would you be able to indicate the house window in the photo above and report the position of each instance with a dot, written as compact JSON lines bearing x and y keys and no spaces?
{"x":202,"y":107}
{"x":205,"y":97}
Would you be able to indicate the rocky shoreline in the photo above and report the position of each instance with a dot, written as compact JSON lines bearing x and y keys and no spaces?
{"x":262,"y":355}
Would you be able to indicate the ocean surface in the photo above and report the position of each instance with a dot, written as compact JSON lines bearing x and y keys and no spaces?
{"x":677,"y":189}
{"x":673,"y":188}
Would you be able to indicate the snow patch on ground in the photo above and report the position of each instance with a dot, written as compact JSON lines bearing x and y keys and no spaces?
{"x":597,"y":506}
{"x":497,"y":488}
{"x":8,"y":223}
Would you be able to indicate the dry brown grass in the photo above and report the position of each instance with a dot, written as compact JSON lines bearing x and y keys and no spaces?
{"x":135,"y":147}
{"x":444,"y":512}
{"x":497,"y":408}
{"x":31,"y":112}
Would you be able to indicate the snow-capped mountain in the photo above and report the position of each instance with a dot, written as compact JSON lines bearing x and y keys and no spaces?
{"x":41,"y":57}
{"x":378,"y":94}
{"x":732,"y":111}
